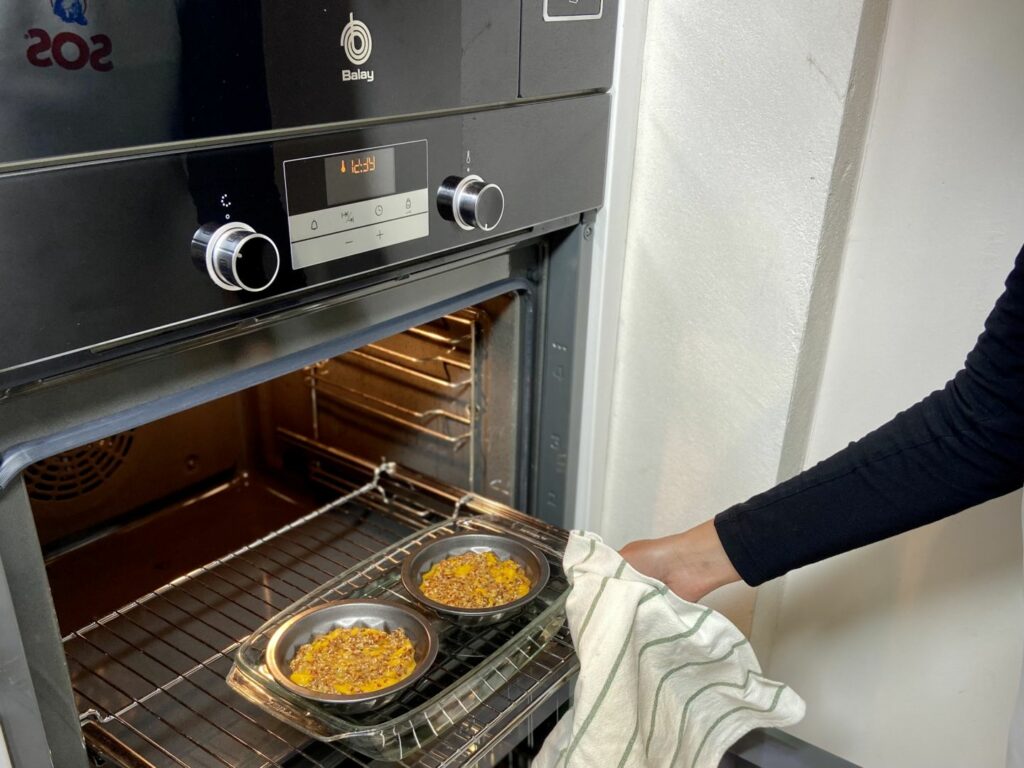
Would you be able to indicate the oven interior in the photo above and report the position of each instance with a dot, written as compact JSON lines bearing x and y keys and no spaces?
{"x":166,"y":545}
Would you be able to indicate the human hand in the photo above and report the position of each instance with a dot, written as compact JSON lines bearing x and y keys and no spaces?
{"x":691,"y":564}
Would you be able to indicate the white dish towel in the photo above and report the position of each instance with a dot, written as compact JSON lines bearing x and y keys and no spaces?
{"x":663,"y":682}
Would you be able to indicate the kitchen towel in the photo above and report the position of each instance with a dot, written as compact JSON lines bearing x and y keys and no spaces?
{"x":663,"y":682}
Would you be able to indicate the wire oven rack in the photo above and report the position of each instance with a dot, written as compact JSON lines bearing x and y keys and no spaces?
{"x":149,"y":678}
{"x":444,"y":364}
{"x":471,"y":664}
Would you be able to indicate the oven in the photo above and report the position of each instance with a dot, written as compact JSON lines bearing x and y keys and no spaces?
{"x":288,"y":286}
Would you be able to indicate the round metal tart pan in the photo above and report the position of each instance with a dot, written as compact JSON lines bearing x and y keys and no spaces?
{"x":375,"y":614}
{"x":505,"y":547}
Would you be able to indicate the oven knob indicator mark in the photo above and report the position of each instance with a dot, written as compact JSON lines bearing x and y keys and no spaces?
{"x":471,"y":202}
{"x":236,"y":256}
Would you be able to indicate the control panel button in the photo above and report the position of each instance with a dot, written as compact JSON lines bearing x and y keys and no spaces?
{"x":572,"y":10}
{"x":471,"y":202}
{"x":236,"y":256}
{"x":341,"y":218}
{"x":320,"y":250}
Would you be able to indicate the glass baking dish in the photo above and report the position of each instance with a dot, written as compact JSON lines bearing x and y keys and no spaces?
{"x":472,"y":662}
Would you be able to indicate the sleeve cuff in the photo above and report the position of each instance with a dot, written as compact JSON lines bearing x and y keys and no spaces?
{"x":729,"y":526}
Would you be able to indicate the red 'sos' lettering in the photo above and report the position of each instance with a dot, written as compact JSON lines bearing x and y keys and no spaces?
{"x":69,"y":50}
{"x":37,"y":52}
{"x":79,"y":50}
{"x":99,"y":59}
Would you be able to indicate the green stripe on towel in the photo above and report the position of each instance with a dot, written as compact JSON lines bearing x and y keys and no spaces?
{"x":667,"y":675}
{"x":686,"y":707}
{"x":771,"y":708}
{"x":593,"y":604}
{"x":611,"y":673}
{"x":643,"y":649}
{"x":590,"y":554}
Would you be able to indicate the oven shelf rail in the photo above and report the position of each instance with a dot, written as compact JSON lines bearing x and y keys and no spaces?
{"x":427,"y":378}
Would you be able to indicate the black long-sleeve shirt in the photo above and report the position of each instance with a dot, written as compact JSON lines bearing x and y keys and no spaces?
{"x":960,"y":446}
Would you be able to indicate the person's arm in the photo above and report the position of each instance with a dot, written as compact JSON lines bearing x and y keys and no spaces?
{"x":691,"y":563}
{"x":960,"y":446}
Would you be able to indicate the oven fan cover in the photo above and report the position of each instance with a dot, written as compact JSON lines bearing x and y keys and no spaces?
{"x":79,"y":471}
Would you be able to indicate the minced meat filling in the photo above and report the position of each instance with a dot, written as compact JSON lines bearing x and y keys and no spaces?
{"x":353,"y":660}
{"x":475,"y":580}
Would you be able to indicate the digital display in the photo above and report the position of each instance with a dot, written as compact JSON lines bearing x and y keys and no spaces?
{"x":360,"y":175}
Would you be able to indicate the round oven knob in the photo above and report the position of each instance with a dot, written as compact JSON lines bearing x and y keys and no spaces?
{"x":236,"y":256}
{"x":471,"y":202}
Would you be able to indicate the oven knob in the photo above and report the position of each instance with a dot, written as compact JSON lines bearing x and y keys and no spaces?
{"x":236,"y":256}
{"x":471,"y":202}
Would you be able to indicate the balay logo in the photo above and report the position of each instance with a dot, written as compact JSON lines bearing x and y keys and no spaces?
{"x":357,"y":44}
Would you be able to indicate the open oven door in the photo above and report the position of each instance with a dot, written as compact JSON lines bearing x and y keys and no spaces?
{"x":172,"y":503}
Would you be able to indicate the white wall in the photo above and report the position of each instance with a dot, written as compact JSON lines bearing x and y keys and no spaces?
{"x":608,"y":265}
{"x":740,"y":115}
{"x":907,"y":652}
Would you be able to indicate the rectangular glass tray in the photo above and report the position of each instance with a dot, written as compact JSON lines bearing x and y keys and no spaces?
{"x":472,"y":662}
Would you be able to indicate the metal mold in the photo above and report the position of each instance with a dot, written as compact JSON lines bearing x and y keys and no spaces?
{"x":506,"y":547}
{"x":320,"y":620}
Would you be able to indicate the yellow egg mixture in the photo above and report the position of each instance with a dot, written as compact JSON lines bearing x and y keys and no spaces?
{"x":475,"y":580}
{"x":353,"y":660}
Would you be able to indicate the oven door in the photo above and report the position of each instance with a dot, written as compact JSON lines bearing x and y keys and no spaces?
{"x":171,"y":502}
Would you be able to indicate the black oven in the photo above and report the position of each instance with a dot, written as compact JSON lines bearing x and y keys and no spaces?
{"x":260,"y":258}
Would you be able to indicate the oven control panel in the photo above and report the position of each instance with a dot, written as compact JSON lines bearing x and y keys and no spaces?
{"x":352,"y":202}
{"x":169,"y":246}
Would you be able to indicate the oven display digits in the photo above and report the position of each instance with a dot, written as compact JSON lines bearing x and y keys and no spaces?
{"x":358,"y":176}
